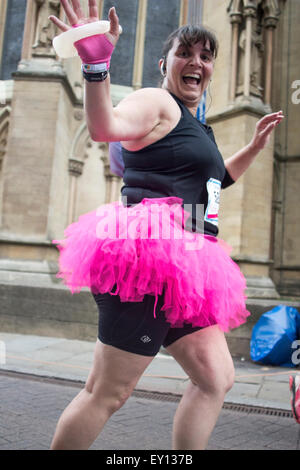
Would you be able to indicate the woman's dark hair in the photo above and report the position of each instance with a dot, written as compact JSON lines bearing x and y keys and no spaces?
{"x":188,"y":35}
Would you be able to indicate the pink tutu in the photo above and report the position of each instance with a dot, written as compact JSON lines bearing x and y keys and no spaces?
{"x":145,"y":249}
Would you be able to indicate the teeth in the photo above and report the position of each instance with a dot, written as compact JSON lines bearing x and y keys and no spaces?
{"x":192,"y":75}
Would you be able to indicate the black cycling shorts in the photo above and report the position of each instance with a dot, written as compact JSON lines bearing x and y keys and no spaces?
{"x":132,"y":327}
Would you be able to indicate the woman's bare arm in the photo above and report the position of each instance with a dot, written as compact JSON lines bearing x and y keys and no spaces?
{"x":136,"y":115}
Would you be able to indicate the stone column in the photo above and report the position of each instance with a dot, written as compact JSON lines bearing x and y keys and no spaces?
{"x":249,"y":13}
{"x":195,"y":11}
{"x":184,"y":9}
{"x":235,"y":20}
{"x":3,"y":10}
{"x":139,"y":45}
{"x":270,"y":25}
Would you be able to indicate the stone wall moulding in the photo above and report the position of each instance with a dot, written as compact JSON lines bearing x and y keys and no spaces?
{"x":103,"y":147}
{"x":81,"y":142}
{"x":252,"y":23}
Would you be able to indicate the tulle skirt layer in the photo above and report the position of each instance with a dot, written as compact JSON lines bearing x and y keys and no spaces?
{"x":145,"y":249}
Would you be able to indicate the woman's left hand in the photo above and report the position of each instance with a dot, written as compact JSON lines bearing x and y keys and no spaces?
{"x":264,"y":128}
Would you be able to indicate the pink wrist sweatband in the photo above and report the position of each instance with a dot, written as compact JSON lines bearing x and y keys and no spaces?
{"x":95,"y":49}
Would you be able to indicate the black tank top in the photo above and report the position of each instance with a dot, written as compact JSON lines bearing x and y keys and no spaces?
{"x":186,"y":163}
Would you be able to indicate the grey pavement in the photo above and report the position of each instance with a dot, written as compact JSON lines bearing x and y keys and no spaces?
{"x":53,"y":370}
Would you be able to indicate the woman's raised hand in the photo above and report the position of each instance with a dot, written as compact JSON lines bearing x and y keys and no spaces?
{"x":76,"y":18}
{"x":264,"y":128}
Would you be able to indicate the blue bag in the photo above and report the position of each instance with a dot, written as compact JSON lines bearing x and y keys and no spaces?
{"x":274,"y":336}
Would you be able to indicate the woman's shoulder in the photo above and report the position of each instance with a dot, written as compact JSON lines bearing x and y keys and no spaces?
{"x":154,"y":105}
{"x":152,"y":91}
{"x":154,"y":96}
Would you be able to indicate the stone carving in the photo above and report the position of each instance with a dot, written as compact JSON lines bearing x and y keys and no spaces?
{"x":45,"y":29}
{"x":271,"y":8}
{"x":251,"y":48}
{"x":75,"y":166}
{"x":257,"y":54}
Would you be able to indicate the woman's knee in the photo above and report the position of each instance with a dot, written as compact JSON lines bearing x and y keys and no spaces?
{"x":228,"y":376}
{"x":212,"y":376}
{"x":212,"y":373}
{"x":112,"y":396}
{"x":120,"y":396}
{"x":205,"y":357}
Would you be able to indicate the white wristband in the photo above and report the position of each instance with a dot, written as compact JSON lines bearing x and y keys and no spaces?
{"x":95,"y":68}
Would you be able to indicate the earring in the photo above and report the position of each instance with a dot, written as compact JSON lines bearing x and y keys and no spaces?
{"x":163,"y":68}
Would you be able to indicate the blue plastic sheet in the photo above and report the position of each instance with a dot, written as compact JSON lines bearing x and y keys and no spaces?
{"x":274,"y":335}
{"x":116,"y":159}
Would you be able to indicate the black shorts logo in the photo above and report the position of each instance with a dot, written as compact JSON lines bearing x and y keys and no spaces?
{"x":145,"y":339}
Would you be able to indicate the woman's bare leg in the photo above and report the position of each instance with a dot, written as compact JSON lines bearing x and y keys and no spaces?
{"x":110,"y":383}
{"x":205,"y":357}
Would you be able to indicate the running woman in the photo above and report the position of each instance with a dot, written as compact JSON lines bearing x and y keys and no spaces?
{"x":157,"y":277}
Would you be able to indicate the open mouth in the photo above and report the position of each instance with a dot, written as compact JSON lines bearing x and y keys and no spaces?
{"x":192,"y":79}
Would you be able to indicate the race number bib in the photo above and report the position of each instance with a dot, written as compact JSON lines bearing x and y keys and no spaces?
{"x":213,"y":187}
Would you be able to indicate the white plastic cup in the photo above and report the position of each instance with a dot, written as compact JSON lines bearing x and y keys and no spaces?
{"x":64,"y":43}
